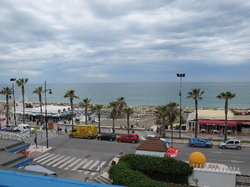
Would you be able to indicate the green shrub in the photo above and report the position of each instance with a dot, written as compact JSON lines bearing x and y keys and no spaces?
{"x":121,"y":174}
{"x":143,"y":168}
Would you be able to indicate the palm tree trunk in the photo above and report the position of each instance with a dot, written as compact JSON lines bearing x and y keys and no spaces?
{"x":99,"y":122}
{"x":128,"y":122}
{"x":7,"y":110}
{"x":163,"y":129}
{"x":23,"y":104}
{"x":41,"y":110}
{"x":86,"y":114}
{"x":196,"y":118}
{"x":114,"y":124}
{"x":172,"y":135}
{"x":226,"y":111}
{"x":71,"y":103}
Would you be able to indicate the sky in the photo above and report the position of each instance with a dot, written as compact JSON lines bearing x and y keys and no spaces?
{"x":105,"y":41}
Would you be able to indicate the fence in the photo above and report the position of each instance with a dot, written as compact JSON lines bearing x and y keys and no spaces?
{"x":213,"y":175}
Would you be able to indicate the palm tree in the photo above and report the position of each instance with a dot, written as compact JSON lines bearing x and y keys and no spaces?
{"x":196,"y":95}
{"x":161,"y":113}
{"x":129,"y":111}
{"x":7,"y":92}
{"x":85,"y":104}
{"x":71,"y":95}
{"x":39,"y":91}
{"x":121,"y":104}
{"x":171,"y":115}
{"x":114,"y":107}
{"x":98,"y":109}
{"x":226,"y":96}
{"x":20,"y":83}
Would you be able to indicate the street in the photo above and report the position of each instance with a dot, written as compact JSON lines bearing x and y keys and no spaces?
{"x":78,"y":159}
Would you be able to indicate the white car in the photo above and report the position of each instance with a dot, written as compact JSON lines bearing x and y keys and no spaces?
{"x":146,"y":137}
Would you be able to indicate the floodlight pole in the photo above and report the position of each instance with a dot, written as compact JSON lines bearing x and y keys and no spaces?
{"x":180,"y":75}
{"x":14,"y":102}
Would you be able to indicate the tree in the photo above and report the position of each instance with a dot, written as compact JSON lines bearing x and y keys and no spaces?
{"x":71,"y":95}
{"x":121,"y":104}
{"x":129,"y":111}
{"x":160,"y":119}
{"x":39,"y":91}
{"x":20,"y":83}
{"x":171,"y":115}
{"x":114,"y":107}
{"x":196,"y":95}
{"x":85,"y":104}
{"x":7,"y":92}
{"x":226,"y":96}
{"x":98,"y":109}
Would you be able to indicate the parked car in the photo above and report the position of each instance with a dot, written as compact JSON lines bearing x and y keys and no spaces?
{"x":146,"y":137}
{"x":107,"y":136}
{"x":23,"y":127}
{"x":11,"y":128}
{"x":199,"y":142}
{"x":230,"y":144}
{"x":132,"y":138}
{"x":215,"y":131}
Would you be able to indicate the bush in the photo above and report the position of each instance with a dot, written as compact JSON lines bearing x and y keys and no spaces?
{"x":144,"y":168}
{"x":121,"y":174}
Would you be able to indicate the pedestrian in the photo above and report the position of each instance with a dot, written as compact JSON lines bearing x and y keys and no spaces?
{"x":221,"y":133}
{"x":58,"y":129}
{"x":66,"y":130}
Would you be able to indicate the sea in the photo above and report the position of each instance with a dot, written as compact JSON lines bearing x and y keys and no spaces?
{"x":139,"y":94}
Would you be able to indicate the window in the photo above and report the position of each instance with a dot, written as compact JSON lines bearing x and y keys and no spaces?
{"x":237,"y":142}
{"x":230,"y":142}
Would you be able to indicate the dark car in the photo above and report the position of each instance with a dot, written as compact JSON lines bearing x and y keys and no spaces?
{"x":107,"y":136}
{"x":199,"y":142}
{"x":11,"y":128}
{"x":132,"y":138}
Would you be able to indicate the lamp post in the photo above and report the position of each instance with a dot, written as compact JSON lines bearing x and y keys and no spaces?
{"x":180,"y":75}
{"x":14,"y":102}
{"x":46,"y":119}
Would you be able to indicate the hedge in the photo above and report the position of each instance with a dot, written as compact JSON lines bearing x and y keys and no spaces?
{"x":151,"y":168}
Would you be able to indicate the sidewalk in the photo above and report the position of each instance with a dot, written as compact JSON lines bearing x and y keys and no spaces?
{"x":37,"y":151}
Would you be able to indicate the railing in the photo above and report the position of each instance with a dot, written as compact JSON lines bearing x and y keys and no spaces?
{"x":216,"y":168}
{"x":242,"y":180}
{"x":9,"y":135}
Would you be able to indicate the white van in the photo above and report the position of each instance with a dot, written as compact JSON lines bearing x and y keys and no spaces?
{"x":23,"y":127}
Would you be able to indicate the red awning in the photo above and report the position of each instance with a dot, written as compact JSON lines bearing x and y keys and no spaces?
{"x":243,"y":122}
{"x":216,"y":122}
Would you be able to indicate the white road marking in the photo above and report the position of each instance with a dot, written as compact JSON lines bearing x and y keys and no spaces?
{"x":64,"y":164}
{"x":81,"y":163}
{"x":44,"y":158}
{"x":46,"y":161}
{"x":61,"y":161}
{"x":72,"y":164}
{"x":55,"y":160}
{"x":41,"y":156}
{"x":85,"y":166}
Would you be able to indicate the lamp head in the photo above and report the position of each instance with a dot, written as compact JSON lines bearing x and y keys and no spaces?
{"x":50,"y":92}
{"x":12,"y":79}
{"x":178,"y":75}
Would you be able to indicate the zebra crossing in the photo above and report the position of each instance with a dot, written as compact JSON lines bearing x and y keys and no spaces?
{"x":80,"y":165}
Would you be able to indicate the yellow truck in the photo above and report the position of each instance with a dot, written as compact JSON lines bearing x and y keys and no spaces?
{"x":84,"y":131}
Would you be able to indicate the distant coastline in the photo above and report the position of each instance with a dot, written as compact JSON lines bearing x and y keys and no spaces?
{"x":143,"y":94}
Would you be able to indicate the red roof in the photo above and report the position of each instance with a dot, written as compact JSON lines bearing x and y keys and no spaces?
{"x":153,"y":144}
{"x":216,"y":122}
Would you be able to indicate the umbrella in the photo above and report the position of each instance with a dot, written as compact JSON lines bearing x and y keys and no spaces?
{"x":172,"y":152}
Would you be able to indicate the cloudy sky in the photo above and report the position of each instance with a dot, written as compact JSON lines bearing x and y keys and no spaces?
{"x":85,"y":41}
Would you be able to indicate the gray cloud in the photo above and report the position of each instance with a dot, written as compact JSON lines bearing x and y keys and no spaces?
{"x":122,"y":40}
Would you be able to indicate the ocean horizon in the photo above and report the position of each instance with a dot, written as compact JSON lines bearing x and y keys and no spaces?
{"x":138,"y":94}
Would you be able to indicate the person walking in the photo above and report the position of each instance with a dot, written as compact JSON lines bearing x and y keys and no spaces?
{"x":221,"y":133}
{"x":66,"y":130}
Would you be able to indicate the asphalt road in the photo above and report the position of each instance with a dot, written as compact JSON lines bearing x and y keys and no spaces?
{"x":105,"y":151}
{"x":228,"y":157}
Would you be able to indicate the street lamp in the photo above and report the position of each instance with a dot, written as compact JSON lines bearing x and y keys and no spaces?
{"x":13,"y":88}
{"x":46,"y":119}
{"x":180,"y":75}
